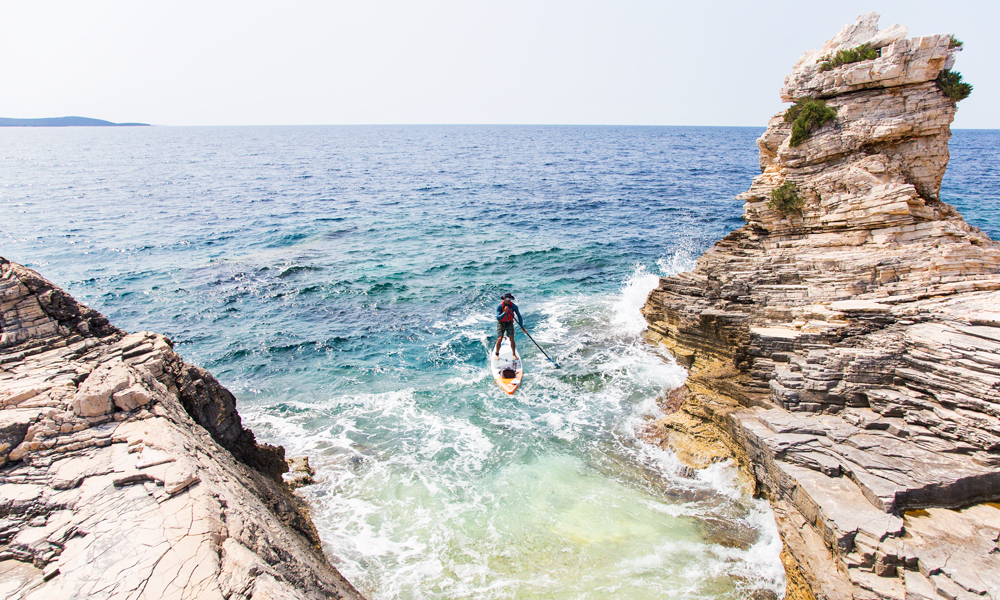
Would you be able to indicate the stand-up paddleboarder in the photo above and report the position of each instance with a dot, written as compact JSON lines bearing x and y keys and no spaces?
{"x":506,"y":313}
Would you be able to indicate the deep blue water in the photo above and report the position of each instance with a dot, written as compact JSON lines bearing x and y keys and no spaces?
{"x":972,"y":182}
{"x":341,"y":281}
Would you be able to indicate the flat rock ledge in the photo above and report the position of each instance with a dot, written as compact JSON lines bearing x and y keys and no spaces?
{"x":847,"y":355}
{"x":126,"y":473}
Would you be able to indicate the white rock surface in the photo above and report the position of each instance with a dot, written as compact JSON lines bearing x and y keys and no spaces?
{"x":126,"y":473}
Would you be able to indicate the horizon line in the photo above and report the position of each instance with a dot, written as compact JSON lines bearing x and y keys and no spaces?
{"x":114,"y":124}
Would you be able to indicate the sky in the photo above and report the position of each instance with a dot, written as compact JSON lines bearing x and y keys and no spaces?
{"x":614,"y":62}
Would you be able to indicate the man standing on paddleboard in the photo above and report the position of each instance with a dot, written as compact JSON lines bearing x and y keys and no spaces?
{"x":506,"y":312}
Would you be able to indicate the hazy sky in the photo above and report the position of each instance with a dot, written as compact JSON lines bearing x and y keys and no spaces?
{"x":696,"y":62}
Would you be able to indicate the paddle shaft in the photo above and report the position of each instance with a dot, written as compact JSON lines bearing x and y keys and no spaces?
{"x":539,"y":347}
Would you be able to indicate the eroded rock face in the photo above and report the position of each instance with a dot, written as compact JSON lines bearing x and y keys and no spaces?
{"x":125,"y":472}
{"x":901,"y":62}
{"x":850,"y":352}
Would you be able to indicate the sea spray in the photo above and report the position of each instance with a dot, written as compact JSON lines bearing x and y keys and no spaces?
{"x":680,"y":260}
{"x":631,"y":298}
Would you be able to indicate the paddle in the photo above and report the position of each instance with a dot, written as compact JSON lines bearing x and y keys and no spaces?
{"x":539,"y":347}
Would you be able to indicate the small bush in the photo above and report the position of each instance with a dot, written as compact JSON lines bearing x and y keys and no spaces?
{"x":793,"y":111}
{"x":807,"y":116}
{"x":852,"y":55}
{"x":785,"y":199}
{"x":952,"y":85}
{"x":955,"y":43}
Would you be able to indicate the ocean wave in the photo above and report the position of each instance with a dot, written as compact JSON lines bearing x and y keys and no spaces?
{"x":633,"y":295}
{"x":296,"y":269}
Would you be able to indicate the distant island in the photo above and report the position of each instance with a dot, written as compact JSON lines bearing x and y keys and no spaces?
{"x":65,"y":122}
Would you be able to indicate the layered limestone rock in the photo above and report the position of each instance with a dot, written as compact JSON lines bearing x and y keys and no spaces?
{"x":848,"y":355}
{"x":126,"y":473}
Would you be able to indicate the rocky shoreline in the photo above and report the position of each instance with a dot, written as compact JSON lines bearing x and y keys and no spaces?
{"x":845,"y":351}
{"x":126,"y":472}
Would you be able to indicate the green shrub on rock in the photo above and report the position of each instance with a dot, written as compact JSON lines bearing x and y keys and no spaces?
{"x":786,"y":199}
{"x":952,"y":85}
{"x":955,"y":43}
{"x":806,"y":116}
{"x":851,"y":55}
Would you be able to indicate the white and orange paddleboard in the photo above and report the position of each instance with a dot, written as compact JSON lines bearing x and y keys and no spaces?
{"x":508,"y":370}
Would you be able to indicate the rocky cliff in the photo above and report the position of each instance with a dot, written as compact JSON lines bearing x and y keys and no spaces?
{"x":844,"y":347}
{"x":126,"y":472}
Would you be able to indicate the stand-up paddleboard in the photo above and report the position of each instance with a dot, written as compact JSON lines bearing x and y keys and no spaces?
{"x":508,"y":370}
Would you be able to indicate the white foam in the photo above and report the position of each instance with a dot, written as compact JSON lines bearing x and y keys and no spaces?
{"x":470,"y":321}
{"x":552,"y":329}
{"x":627,"y":316}
{"x":475,"y":318}
{"x":663,"y":460}
{"x":468,"y":375}
{"x":762,"y":562}
{"x":674,"y":510}
{"x":723,"y":478}
{"x":644,"y":368}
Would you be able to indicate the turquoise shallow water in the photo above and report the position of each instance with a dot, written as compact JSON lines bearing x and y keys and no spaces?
{"x":341,"y":281}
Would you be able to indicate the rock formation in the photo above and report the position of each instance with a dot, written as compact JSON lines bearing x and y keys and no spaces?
{"x":126,"y":473}
{"x":847,"y":354}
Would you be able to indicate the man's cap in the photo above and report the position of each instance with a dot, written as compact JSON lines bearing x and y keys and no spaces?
{"x":507,"y":295}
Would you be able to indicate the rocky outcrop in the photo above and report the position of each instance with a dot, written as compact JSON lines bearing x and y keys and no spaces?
{"x":847,"y":354}
{"x":126,"y":472}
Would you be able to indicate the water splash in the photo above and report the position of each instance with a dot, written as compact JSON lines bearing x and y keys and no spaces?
{"x":631,"y":298}
{"x":681,"y":260}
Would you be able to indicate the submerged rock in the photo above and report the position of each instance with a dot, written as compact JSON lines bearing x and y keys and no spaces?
{"x":300,"y":472}
{"x":845,"y":350}
{"x":126,"y":472}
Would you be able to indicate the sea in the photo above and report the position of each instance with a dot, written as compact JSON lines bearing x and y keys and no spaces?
{"x":342,"y":282}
